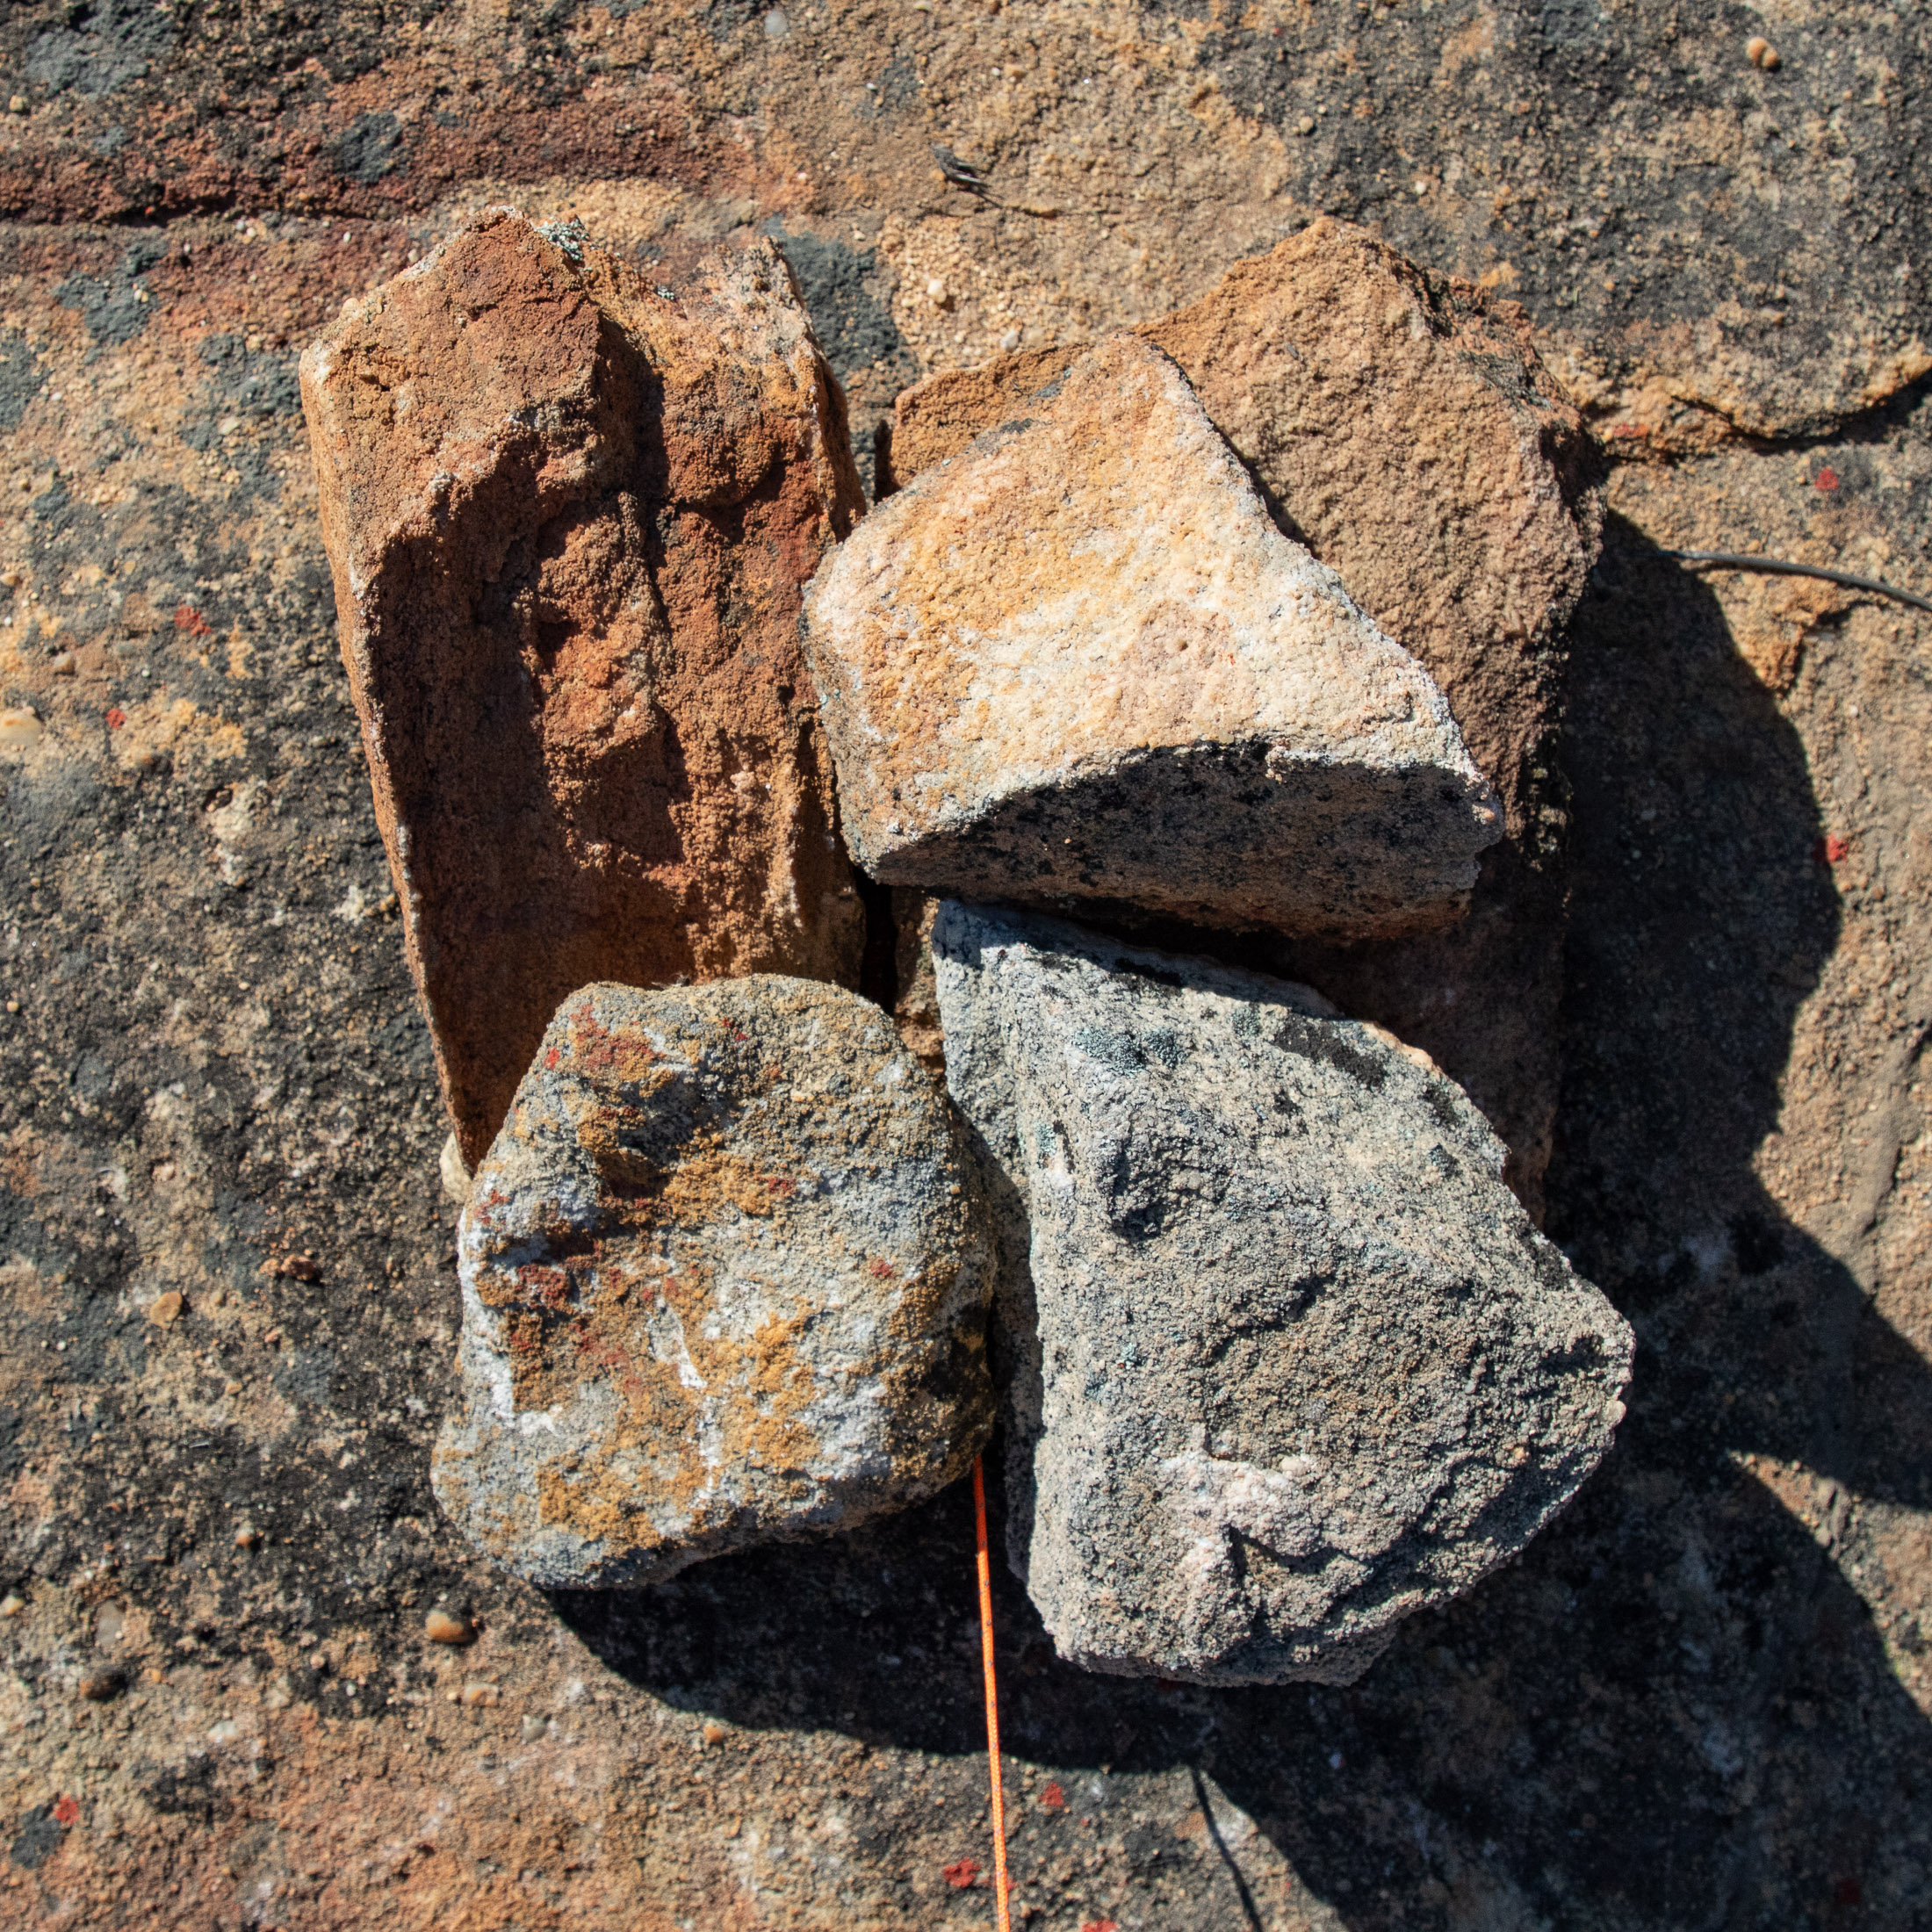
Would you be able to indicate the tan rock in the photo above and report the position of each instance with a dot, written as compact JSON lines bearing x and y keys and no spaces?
{"x":569,"y":516}
{"x":1079,"y":661}
{"x":1403,"y":425}
{"x":726,"y":1272}
{"x":1404,"y":428}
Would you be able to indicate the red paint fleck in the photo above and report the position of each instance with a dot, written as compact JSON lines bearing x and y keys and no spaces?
{"x":116,"y":718}
{"x":66,"y":1810}
{"x":552,"y":1059}
{"x":1101,"y":1925}
{"x":1053,"y":1799}
{"x":191,"y":620}
{"x":779,"y":1184}
{"x":1630,"y":429}
{"x":881,"y":1269}
{"x":1831,"y":849}
{"x":961,"y":1873}
{"x":1827,"y":478}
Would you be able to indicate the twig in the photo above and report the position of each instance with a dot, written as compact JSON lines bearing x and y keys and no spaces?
{"x":1721,"y":559}
{"x":1220,"y":1845}
{"x":974,"y":181}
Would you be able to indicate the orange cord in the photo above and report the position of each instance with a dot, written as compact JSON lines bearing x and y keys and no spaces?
{"x":992,"y":1699}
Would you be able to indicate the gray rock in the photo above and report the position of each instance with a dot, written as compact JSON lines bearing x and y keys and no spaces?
{"x":1290,"y":1360}
{"x":726,"y":1271}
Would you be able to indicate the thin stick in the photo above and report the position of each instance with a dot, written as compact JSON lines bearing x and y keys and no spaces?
{"x":1724,"y":559}
{"x":992,"y":1699}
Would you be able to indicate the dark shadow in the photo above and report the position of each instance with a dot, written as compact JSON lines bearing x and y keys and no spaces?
{"x":1673,"y":1711}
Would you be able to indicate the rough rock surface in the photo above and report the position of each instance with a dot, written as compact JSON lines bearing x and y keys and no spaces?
{"x":569,"y":515}
{"x":1079,"y":661}
{"x":1718,"y":1659}
{"x":1293,"y":1362}
{"x":725,"y":1279}
{"x":1406,"y":429}
{"x":1403,"y":425}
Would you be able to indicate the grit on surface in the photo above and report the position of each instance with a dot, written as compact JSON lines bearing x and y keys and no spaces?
{"x":1703,"y":1697}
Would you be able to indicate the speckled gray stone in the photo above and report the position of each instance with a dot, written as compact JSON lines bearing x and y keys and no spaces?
{"x":1290,"y":1360}
{"x":725,"y":1275}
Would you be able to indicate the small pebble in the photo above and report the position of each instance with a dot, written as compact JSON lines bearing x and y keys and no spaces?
{"x":231,"y":1388}
{"x":452,"y":1172}
{"x":17,"y":105}
{"x":1761,"y":53}
{"x":481,"y":1695}
{"x":440,"y":1627}
{"x":246,"y":1537}
{"x":776,"y":26}
{"x":1306,"y":124}
{"x":168,"y":1308}
{"x":273,"y":1337}
{"x":19,"y":727}
{"x":12,"y":1605}
{"x":1010,"y":341}
{"x":62,"y":664}
{"x":714,"y":1732}
{"x":534,"y":1727}
{"x":102,"y":1686}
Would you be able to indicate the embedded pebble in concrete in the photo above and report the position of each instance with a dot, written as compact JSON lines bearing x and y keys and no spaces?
{"x":1290,"y":1362}
{"x":1079,"y":661}
{"x":726,"y":1271}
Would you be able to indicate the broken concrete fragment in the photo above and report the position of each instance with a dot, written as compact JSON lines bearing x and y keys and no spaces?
{"x":724,"y":1274}
{"x":569,"y":515}
{"x":1403,"y":425}
{"x":1289,"y":1361}
{"x":1079,"y":661}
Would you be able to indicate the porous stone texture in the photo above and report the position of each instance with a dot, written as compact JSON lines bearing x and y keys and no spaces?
{"x":569,"y":514}
{"x":1079,"y":661}
{"x":725,"y":1279}
{"x":1717,"y":1661}
{"x":1404,"y":426}
{"x":1290,"y":1361}
{"x":1406,"y":429}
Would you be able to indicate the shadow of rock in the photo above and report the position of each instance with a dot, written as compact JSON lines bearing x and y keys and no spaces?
{"x":1673,"y":1711}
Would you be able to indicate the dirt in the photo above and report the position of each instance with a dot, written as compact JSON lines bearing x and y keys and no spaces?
{"x":1703,"y":1697}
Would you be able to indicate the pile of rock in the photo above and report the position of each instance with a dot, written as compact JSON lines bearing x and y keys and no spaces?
{"x":1280,"y":1355}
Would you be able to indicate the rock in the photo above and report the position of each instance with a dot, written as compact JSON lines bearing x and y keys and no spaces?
{"x":1290,"y":1362}
{"x":453,"y":1172}
{"x":725,"y":1279}
{"x":569,"y":516}
{"x":440,"y":1626}
{"x":102,"y":1686}
{"x":166,"y":1309}
{"x":1404,"y":427}
{"x":916,"y":997}
{"x":1079,"y":661}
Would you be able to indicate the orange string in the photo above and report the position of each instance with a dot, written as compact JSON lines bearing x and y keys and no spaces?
{"x":992,"y":1699}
